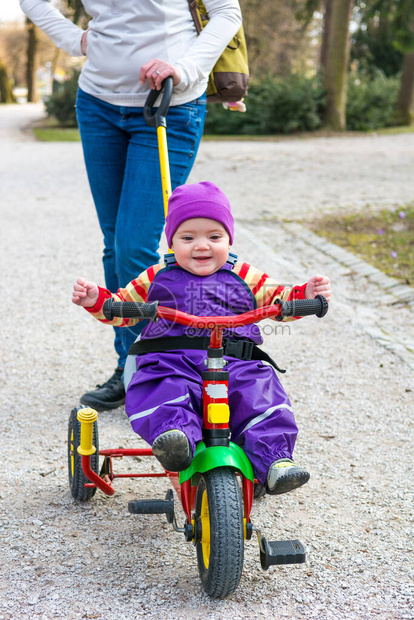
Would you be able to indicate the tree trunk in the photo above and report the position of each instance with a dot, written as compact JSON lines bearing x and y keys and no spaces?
{"x":78,"y":11}
{"x":6,"y":91}
{"x":336,"y":58}
{"x":404,"y":110}
{"x":31,"y":65}
{"x":55,"y":83}
{"x":327,"y":14}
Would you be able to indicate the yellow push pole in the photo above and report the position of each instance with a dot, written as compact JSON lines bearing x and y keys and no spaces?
{"x":158,"y":120}
{"x":164,"y":166}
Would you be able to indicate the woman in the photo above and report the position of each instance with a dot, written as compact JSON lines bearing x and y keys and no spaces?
{"x":131,"y":47}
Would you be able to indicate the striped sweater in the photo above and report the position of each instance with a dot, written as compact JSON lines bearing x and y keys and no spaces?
{"x":264,"y":289}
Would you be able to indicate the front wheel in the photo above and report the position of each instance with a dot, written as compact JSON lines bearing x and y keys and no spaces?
{"x":219,"y":534}
{"x":77,"y":478}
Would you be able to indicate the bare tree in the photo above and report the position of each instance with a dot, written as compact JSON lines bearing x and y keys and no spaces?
{"x":277,"y":41}
{"x":6,"y":91}
{"x":13,"y":52}
{"x":31,"y":66}
{"x":74,"y":10}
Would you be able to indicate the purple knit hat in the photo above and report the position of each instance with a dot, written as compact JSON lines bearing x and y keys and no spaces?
{"x":198,"y":200}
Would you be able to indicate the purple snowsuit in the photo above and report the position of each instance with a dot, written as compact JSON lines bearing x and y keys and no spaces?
{"x":165,"y":392}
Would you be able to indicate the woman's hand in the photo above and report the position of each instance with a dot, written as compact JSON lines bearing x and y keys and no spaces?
{"x":235,"y":106}
{"x":318,"y":285}
{"x":85,"y":293}
{"x":155,"y":71}
{"x":84,"y":42}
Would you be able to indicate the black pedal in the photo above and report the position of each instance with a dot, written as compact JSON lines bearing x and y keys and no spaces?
{"x":281,"y":552}
{"x":154,"y":506}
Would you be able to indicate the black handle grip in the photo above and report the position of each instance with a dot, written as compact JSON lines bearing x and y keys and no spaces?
{"x":305,"y":307}
{"x":130,"y":310}
{"x":157,"y":119}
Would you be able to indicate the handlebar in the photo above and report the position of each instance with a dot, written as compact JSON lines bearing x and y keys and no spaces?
{"x":278,"y":310}
{"x":157,"y":119}
{"x":129,"y":310}
{"x":305,"y":307}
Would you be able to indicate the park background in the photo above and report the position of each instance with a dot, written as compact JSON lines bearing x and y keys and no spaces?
{"x":334,"y":64}
{"x":317,"y":68}
{"x":350,"y":378}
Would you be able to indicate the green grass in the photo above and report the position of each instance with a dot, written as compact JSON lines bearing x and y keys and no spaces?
{"x":384,"y":238}
{"x":306,"y":135}
{"x":394,"y":131}
{"x":56,"y":134}
{"x":48,"y":131}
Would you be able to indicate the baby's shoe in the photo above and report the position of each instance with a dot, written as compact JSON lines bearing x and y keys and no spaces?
{"x":284,"y":475}
{"x":173,"y":450}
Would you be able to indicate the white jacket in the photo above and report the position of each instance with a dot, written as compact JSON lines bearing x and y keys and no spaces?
{"x":125,"y":34}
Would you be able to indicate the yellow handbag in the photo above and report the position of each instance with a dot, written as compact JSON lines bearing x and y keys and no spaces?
{"x":229,"y":78}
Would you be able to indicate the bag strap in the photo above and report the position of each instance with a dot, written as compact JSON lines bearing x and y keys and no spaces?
{"x":194,"y":14}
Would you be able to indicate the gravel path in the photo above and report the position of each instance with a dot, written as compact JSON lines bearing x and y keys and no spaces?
{"x":350,"y":377}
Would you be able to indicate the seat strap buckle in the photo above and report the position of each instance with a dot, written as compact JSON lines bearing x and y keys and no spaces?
{"x":241,"y":349}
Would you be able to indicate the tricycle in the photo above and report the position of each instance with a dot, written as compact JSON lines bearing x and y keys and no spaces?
{"x":216,"y":491}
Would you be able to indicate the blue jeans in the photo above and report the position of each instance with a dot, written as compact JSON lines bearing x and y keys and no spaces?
{"x":122,"y":163}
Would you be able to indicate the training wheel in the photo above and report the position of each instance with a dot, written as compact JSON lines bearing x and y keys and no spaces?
{"x":77,"y":478}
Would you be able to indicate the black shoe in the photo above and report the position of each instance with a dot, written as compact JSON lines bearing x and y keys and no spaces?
{"x":284,"y":475}
{"x":173,"y":451}
{"x":109,"y":395}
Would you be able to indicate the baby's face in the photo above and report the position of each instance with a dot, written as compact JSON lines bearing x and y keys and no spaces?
{"x":201,"y":246}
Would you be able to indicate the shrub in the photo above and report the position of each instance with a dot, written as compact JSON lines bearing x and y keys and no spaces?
{"x":61,"y":104}
{"x":275,"y":106}
{"x":371,"y":102}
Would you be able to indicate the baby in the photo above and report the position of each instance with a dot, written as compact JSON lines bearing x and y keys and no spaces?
{"x":202,"y":277}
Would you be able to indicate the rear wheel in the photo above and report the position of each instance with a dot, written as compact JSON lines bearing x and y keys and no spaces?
{"x":219,"y":533}
{"x":77,"y":478}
